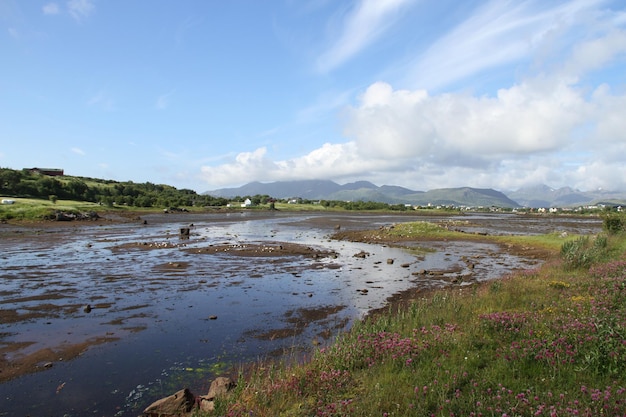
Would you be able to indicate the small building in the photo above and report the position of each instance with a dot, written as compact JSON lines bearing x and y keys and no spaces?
{"x":51,"y":172}
{"x":246,"y":203}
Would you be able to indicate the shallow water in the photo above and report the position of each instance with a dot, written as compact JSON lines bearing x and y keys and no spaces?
{"x":169,"y":315}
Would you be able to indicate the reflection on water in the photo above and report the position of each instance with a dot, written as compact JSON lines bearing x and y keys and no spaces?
{"x":175,"y":317}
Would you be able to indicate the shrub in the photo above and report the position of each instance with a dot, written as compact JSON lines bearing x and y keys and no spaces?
{"x":584,"y":252}
{"x":614,"y":223}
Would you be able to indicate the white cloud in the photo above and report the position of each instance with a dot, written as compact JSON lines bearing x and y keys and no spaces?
{"x":595,"y":54}
{"x":80,"y":9}
{"x":497,"y":34}
{"x":51,"y":9}
{"x":78,"y":151}
{"x":103,"y":100}
{"x":163,"y":101}
{"x":527,"y":118}
{"x":13,"y":33}
{"x":367,"y":21}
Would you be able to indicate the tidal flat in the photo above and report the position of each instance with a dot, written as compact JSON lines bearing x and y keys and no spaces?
{"x":105,"y":317}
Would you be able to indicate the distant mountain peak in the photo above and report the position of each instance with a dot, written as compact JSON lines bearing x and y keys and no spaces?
{"x":535,"y":196}
{"x":367,"y":191}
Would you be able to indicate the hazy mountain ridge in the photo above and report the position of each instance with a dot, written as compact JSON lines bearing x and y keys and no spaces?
{"x":534,"y":196}
{"x":366,"y":191}
{"x":545,"y":196}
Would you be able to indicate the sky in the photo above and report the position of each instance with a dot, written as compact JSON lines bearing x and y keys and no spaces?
{"x":425,"y":94}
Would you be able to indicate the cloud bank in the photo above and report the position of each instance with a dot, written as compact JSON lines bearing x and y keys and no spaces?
{"x":552,"y":128}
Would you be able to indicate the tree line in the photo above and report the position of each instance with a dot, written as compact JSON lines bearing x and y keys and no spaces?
{"x":24,"y":183}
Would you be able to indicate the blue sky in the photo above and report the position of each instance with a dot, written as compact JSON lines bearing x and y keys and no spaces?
{"x":206,"y":94}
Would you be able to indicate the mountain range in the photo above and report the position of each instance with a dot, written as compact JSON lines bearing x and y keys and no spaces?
{"x":536,"y":196}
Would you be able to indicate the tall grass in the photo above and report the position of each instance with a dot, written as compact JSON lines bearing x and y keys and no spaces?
{"x":544,"y":342}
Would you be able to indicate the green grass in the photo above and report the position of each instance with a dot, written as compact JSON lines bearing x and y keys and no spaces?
{"x":549,"y":242}
{"x":36,"y":209}
{"x":32,"y":209}
{"x":542,"y":342}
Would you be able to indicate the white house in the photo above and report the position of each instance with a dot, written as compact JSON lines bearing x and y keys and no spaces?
{"x":246,"y":203}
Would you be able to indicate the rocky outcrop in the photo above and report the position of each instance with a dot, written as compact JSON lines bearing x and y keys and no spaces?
{"x":66,"y":216}
{"x":184,"y":403}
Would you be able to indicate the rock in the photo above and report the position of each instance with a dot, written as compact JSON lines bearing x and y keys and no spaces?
{"x":219,"y":387}
{"x":361,"y":254}
{"x":87,"y":308}
{"x":390,"y":261}
{"x":179,"y":404}
{"x":206,"y":406}
{"x":61,"y":216}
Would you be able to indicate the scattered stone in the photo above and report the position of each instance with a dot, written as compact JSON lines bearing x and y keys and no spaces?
{"x":389,"y":261}
{"x":87,"y":309}
{"x":185,"y":404}
{"x":361,"y":254}
{"x":212,"y":317}
{"x":405,"y":265}
{"x":66,"y":216}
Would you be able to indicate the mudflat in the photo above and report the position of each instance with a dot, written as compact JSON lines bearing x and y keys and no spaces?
{"x":78,"y":296}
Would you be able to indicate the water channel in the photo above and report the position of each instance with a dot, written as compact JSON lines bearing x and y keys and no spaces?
{"x":151,"y":313}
